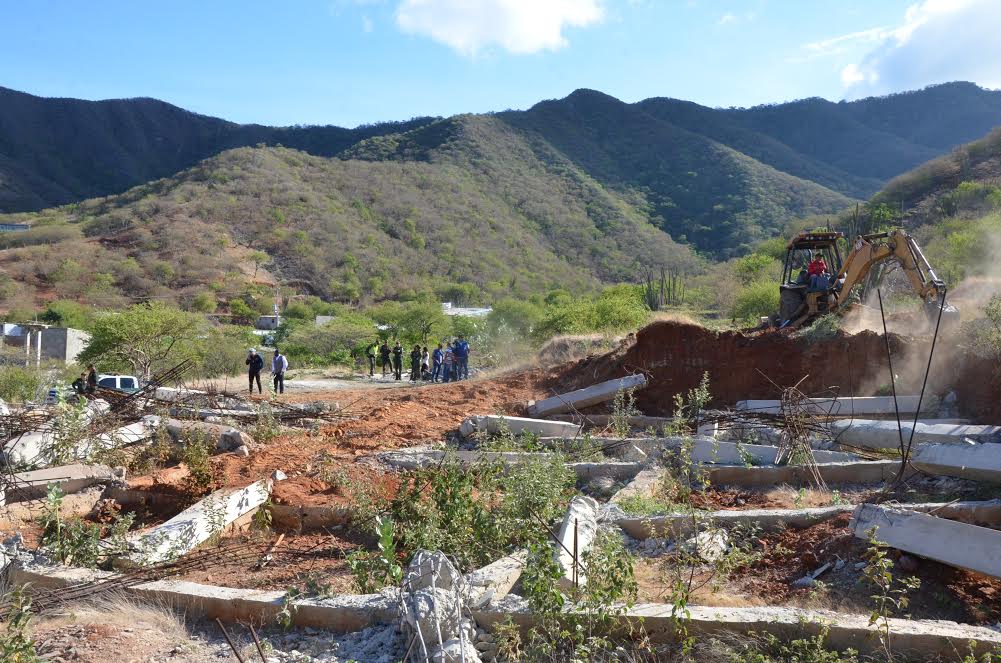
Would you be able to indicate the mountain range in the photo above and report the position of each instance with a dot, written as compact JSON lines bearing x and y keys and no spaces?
{"x":156,"y":201}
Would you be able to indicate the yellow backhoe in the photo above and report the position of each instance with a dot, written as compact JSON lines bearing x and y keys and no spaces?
{"x":803,"y":298}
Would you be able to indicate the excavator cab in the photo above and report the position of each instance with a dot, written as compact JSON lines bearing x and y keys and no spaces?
{"x":797,"y":298}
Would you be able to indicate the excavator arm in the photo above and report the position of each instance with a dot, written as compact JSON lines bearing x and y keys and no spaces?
{"x":896,"y":245}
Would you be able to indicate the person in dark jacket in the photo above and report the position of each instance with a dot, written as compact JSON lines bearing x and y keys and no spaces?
{"x":91,"y":379}
{"x":370,"y":354}
{"x":398,"y":361}
{"x":384,"y":352}
{"x":80,"y":384}
{"x":255,"y":364}
{"x":415,"y":364}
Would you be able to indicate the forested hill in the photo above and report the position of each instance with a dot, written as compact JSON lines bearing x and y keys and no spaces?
{"x":716,"y":179}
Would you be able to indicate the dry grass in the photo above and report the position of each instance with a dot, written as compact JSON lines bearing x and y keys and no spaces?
{"x":119,"y":611}
{"x":795,"y":498}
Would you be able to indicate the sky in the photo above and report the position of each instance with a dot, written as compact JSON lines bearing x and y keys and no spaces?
{"x":351,"y":62}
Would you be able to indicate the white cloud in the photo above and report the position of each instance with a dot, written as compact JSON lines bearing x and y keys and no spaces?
{"x":938,"y":41}
{"x":727,"y":18}
{"x":517,"y":26}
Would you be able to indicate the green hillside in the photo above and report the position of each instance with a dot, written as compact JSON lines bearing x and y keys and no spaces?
{"x":484,"y":211}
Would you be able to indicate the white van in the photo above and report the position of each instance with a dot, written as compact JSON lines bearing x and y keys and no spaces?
{"x":127,"y":383}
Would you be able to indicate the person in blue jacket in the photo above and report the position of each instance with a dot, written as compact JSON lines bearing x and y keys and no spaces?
{"x":461,"y":351}
{"x":436,"y":358}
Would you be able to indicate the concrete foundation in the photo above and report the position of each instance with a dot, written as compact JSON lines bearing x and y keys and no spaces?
{"x":70,"y":479}
{"x":845,"y":406}
{"x":195,"y":525}
{"x":871,"y":434}
{"x":832,"y":473}
{"x":643,"y":485}
{"x":412,"y":460}
{"x":923,"y":639}
{"x":704,"y":449}
{"x":13,"y":516}
{"x":981,"y":462}
{"x":493,"y":424}
{"x":640,"y":422}
{"x":956,"y":544}
{"x":582,"y":398}
{"x":577,"y":533}
{"x":285,"y":517}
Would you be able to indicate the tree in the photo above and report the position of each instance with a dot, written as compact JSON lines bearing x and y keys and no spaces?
{"x":144,"y":337}
{"x":418,"y":321}
{"x":258,"y":258}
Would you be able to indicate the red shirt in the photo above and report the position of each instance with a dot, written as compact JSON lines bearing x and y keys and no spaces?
{"x":817,"y":267}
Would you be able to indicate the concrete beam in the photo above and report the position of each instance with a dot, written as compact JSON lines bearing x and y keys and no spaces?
{"x":79,"y":504}
{"x":678,"y":525}
{"x":920,"y":638}
{"x":496,"y":579}
{"x":980,"y":462}
{"x":493,"y":424}
{"x":577,"y":533}
{"x":842,"y":407}
{"x":341,"y":614}
{"x":831,"y":473}
{"x":956,"y":544}
{"x":412,"y":460}
{"x":70,"y":479}
{"x":195,"y":525}
{"x":704,"y":449}
{"x":639,"y":421}
{"x":871,"y":434}
{"x":581,"y":398}
{"x":124,"y":436}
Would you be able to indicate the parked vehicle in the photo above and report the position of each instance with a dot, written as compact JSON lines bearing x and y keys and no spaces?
{"x":127,"y":383}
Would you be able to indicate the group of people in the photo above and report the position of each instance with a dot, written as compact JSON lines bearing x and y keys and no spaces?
{"x":446,"y":363}
{"x":87,"y":382}
{"x":255,"y":364}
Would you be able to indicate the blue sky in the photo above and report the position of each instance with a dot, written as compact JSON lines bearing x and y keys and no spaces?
{"x":349,"y":62}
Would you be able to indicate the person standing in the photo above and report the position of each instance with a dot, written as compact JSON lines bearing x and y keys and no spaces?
{"x":447,"y":359}
{"x":384,"y":353}
{"x":462,"y":359}
{"x":255,"y":364}
{"x":91,"y":379}
{"x":279,"y":364}
{"x":370,"y":354}
{"x":415,"y":364}
{"x":398,"y":361}
{"x":436,"y":358}
{"x":425,"y":363}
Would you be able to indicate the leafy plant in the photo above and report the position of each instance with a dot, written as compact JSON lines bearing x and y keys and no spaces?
{"x":16,"y":645}
{"x":891,"y":593}
{"x":375,"y":570}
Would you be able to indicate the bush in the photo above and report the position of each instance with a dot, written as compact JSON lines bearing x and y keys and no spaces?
{"x":333,"y":343}
{"x":756,"y":300}
{"x":19,"y":384}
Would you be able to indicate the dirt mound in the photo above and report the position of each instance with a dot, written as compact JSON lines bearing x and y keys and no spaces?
{"x":675,"y":355}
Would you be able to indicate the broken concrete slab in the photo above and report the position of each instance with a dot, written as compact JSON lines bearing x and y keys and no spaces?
{"x":80,"y":504}
{"x":980,"y":462}
{"x":70,"y":479}
{"x":832,"y":473}
{"x":124,"y":436}
{"x":872,"y":434}
{"x":957,"y":544}
{"x":577,"y":533}
{"x":846,"y":406}
{"x":494,"y":424}
{"x":496,"y":579}
{"x":582,"y":398}
{"x":225,"y":438}
{"x":195,"y":525}
{"x":642,"y":486}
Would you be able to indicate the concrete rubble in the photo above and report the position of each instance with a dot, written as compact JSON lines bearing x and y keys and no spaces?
{"x":957,"y":544}
{"x":582,"y":398}
{"x":871,"y":434}
{"x":195,"y":525}
{"x":224,"y":438}
{"x":124,"y":436}
{"x":495,"y":424}
{"x":496,"y":579}
{"x":576,"y":535}
{"x":432,"y":609}
{"x":38,"y":448}
{"x":70,"y":479}
{"x":980,"y":462}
